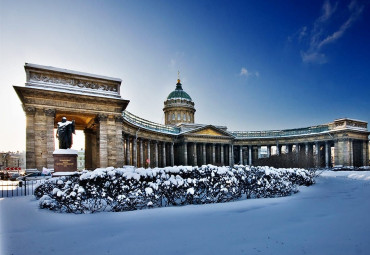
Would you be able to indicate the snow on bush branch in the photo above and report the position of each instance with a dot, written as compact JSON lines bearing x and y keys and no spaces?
{"x":126,"y":189}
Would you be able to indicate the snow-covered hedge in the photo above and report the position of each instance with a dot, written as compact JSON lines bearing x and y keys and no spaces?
{"x":125,"y":189}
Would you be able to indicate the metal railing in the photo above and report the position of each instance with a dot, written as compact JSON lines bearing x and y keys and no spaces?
{"x":281,"y":133}
{"x":18,"y":188}
{"x":148,"y":124}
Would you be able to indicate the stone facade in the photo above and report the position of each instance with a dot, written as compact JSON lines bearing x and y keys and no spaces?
{"x":115,"y":137}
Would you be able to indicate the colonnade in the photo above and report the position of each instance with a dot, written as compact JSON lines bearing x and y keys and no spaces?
{"x":140,"y":152}
{"x":329,"y":153}
{"x":201,"y":153}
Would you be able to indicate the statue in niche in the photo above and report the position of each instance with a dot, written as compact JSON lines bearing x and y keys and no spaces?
{"x":64,"y":133}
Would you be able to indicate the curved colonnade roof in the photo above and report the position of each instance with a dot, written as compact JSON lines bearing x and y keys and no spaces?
{"x":174,"y":130}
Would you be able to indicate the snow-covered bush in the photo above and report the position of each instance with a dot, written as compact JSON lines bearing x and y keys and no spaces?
{"x":126,"y":189}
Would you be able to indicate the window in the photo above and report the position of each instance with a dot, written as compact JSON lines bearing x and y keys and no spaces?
{"x":178,"y":116}
{"x":184,"y":116}
{"x":173,"y":116}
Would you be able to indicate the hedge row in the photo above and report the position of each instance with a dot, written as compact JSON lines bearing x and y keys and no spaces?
{"x":126,"y":189}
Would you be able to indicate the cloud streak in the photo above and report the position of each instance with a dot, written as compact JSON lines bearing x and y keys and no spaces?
{"x":320,"y":36}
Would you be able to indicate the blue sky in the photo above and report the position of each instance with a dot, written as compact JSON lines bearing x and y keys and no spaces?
{"x":248,"y":65}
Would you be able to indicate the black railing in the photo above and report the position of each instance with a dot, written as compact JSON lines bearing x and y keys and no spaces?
{"x":18,"y":188}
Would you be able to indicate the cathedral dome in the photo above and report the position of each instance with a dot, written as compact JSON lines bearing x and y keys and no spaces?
{"x":178,"y":107}
{"x":179,"y":93}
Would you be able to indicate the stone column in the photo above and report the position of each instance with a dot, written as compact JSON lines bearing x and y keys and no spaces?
{"x":241,"y":154}
{"x":120,"y":156}
{"x":343,"y":152}
{"x":287,"y":148}
{"x":222,"y":155}
{"x":103,"y":140}
{"x":213,"y":154}
{"x":141,"y":153}
{"x":350,"y":151}
{"x":156,"y":153}
{"x":365,"y":153}
{"x":204,"y":154}
{"x":277,"y":148}
{"x":30,"y":137}
{"x":250,"y":154}
{"x":195,"y":154}
{"x":149,"y":153}
{"x":164,"y":154}
{"x":327,"y":154}
{"x":172,"y":154}
{"x":134,"y":151}
{"x":317,"y":152}
{"x":41,"y":152}
{"x":50,"y":145}
{"x":185,"y":153}
{"x":88,"y":148}
{"x":230,"y":155}
{"x":306,"y":148}
{"x":111,"y":141}
{"x":95,"y":150}
{"x":296,"y":148}
{"x":128,"y":156}
{"x":268,"y":151}
{"x":258,"y":151}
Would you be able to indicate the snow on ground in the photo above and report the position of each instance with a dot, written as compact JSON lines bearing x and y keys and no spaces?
{"x":330,"y":217}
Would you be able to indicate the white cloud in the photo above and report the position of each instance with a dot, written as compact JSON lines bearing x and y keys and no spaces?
{"x":319,"y":35}
{"x":313,"y":57}
{"x":302,"y":33}
{"x":244,"y":72}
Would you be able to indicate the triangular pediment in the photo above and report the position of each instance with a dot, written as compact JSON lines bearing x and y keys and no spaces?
{"x":209,"y":131}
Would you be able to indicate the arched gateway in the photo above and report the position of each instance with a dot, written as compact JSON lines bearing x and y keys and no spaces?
{"x":115,"y":137}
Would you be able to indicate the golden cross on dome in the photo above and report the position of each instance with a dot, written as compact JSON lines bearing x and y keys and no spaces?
{"x":178,"y":76}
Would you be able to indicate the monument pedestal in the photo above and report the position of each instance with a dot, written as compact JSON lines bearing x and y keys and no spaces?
{"x":65,"y":160}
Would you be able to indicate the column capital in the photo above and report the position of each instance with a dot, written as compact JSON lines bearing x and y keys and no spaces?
{"x":118,"y":119}
{"x":102,"y":117}
{"x":49,"y":112}
{"x":29,"y":110}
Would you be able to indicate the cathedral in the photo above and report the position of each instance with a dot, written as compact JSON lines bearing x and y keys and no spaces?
{"x":116,"y":137}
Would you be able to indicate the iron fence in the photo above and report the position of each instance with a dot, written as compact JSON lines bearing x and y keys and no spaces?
{"x":18,"y":188}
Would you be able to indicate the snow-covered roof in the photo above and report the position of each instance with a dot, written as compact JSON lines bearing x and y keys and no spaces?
{"x":62,"y":70}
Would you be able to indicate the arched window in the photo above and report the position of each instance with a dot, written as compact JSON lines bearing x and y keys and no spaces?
{"x":184,"y":117}
{"x":178,"y":116}
{"x":173,"y":116}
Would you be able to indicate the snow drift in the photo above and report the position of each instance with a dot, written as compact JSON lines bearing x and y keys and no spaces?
{"x":126,"y":189}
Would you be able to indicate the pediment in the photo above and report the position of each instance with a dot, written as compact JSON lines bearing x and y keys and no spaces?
{"x":209,"y":131}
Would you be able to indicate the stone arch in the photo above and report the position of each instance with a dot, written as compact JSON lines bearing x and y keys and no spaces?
{"x":92,"y":101}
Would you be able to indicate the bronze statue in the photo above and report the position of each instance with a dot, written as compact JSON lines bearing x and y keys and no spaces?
{"x":64,"y":133}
